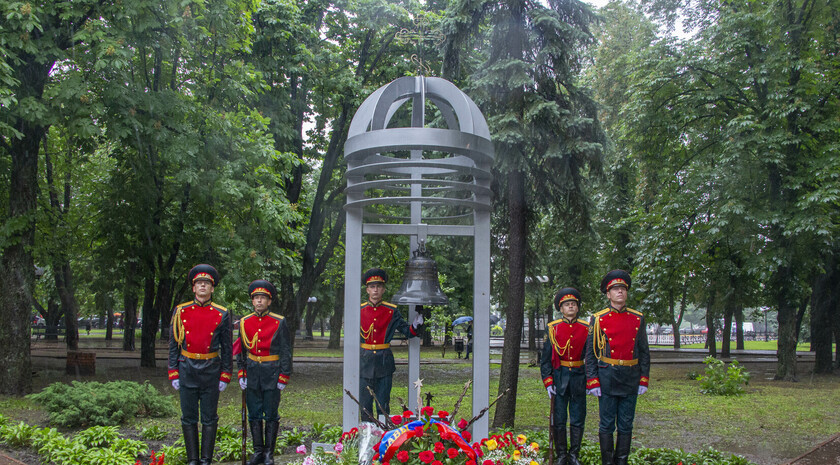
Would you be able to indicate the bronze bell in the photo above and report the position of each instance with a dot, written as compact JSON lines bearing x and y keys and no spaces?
{"x":420,"y":284}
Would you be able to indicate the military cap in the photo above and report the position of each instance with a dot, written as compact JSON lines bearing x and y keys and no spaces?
{"x":567,"y":293}
{"x":376,"y":275}
{"x":205,"y":272}
{"x":262,"y":287}
{"x":615,"y":278}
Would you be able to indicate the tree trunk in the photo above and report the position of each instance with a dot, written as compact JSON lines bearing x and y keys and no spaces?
{"x":711,"y":343}
{"x":336,"y":318}
{"x":52,"y":319}
{"x":824,"y":300}
{"x":309,"y":321}
{"x":509,"y":376}
{"x":739,"y":328}
{"x":786,"y":353}
{"x":728,"y":312}
{"x":532,"y":330}
{"x":130,"y":301}
{"x":147,"y":337}
{"x":64,"y":285}
{"x":675,"y":324}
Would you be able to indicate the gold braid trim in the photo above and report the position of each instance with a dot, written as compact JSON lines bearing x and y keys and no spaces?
{"x":366,"y":334}
{"x":560,"y":351}
{"x":178,"y":332}
{"x":244,"y":336}
{"x":599,"y":338}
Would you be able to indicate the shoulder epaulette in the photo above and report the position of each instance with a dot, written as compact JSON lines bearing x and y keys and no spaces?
{"x":582,"y":321}
{"x":388,"y":304}
{"x":219,"y":307}
{"x":276,"y":315}
{"x":634,"y":311}
{"x":606,"y":310}
{"x":363,"y":304}
{"x":185,"y":304}
{"x":555,"y":322}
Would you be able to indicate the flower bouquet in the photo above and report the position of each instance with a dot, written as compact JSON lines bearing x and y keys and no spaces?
{"x":429,"y":439}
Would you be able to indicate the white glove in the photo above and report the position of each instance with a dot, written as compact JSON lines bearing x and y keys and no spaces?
{"x":642,"y":390}
{"x":281,"y":386}
{"x":594,"y":391}
{"x":222,"y":386}
{"x":552,"y":391}
{"x":243,"y":383}
{"x":176,"y":384}
{"x":418,"y":320}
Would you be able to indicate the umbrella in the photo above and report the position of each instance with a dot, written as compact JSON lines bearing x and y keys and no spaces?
{"x":462,"y":320}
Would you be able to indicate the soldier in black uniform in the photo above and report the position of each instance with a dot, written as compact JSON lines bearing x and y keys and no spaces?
{"x":200,"y":361}
{"x":617,"y":367}
{"x":379,"y":321}
{"x":561,"y":367}
{"x":264,"y":367}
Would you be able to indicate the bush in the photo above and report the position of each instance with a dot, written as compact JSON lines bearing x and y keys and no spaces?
{"x":153,"y":433}
{"x":104,"y":404}
{"x":19,"y":435}
{"x":722,"y":380}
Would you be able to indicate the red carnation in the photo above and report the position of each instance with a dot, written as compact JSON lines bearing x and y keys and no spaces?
{"x":462,"y":424}
{"x":470,"y":462}
{"x":452,"y":453}
{"x":402,"y":456}
{"x":467,"y":436}
{"x":442,"y":414}
{"x":407,"y":414}
{"x":437,"y":462}
{"x":439,"y":447}
{"x":427,"y":456}
{"x":418,"y":431}
{"x":486,"y":462}
{"x":427,"y":411}
{"x":396,"y":419}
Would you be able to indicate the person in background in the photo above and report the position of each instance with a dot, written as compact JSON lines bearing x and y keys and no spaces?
{"x":562,"y":370}
{"x":617,"y":367}
{"x":200,"y":362}
{"x":379,"y":321}
{"x":265,"y":364}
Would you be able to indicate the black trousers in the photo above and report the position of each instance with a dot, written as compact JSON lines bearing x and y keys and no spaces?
{"x":262,"y":404}
{"x":382,"y":388}
{"x":204,"y":400}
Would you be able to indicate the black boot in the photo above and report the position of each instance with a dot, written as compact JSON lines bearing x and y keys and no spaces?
{"x":271,"y":428}
{"x":208,"y":443}
{"x":259,"y":449}
{"x":606,"y":442}
{"x":575,"y":438}
{"x":191,"y":443}
{"x":622,"y":448}
{"x":561,"y":453}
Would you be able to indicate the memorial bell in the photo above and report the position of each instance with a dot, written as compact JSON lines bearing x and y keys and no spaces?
{"x":420,"y":284}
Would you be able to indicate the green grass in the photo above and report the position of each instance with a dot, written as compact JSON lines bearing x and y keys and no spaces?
{"x":773,"y":422}
{"x":754,"y":345}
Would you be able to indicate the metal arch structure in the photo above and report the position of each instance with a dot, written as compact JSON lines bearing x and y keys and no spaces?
{"x":418,"y":180}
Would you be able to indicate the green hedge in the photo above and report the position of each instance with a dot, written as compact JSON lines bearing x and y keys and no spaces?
{"x":103,"y":404}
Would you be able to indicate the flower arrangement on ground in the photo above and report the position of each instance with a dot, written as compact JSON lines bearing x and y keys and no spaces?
{"x":507,"y":449}
{"x":429,"y":439}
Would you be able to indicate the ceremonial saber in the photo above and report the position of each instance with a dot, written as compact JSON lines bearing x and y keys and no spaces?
{"x":244,"y":428}
{"x":551,"y":430}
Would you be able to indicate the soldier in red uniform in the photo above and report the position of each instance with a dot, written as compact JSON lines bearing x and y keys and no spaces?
{"x":200,"y":361}
{"x":617,"y":367}
{"x":379,"y":321}
{"x":561,"y":367}
{"x":265,"y":363}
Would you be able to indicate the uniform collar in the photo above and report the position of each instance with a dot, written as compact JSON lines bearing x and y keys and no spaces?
{"x":569,"y":321}
{"x":375,"y":304}
{"x":622,"y":310}
{"x":205,"y":304}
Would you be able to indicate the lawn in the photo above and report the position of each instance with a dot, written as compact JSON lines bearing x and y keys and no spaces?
{"x":759,"y":425}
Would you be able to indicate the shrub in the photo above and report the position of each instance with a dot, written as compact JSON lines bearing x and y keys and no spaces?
{"x":19,"y":435}
{"x":105,"y":404}
{"x":291,"y":438}
{"x":329,"y":434}
{"x":153,"y":433}
{"x":175,"y":454}
{"x":97,"y":436}
{"x":722,"y":380}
